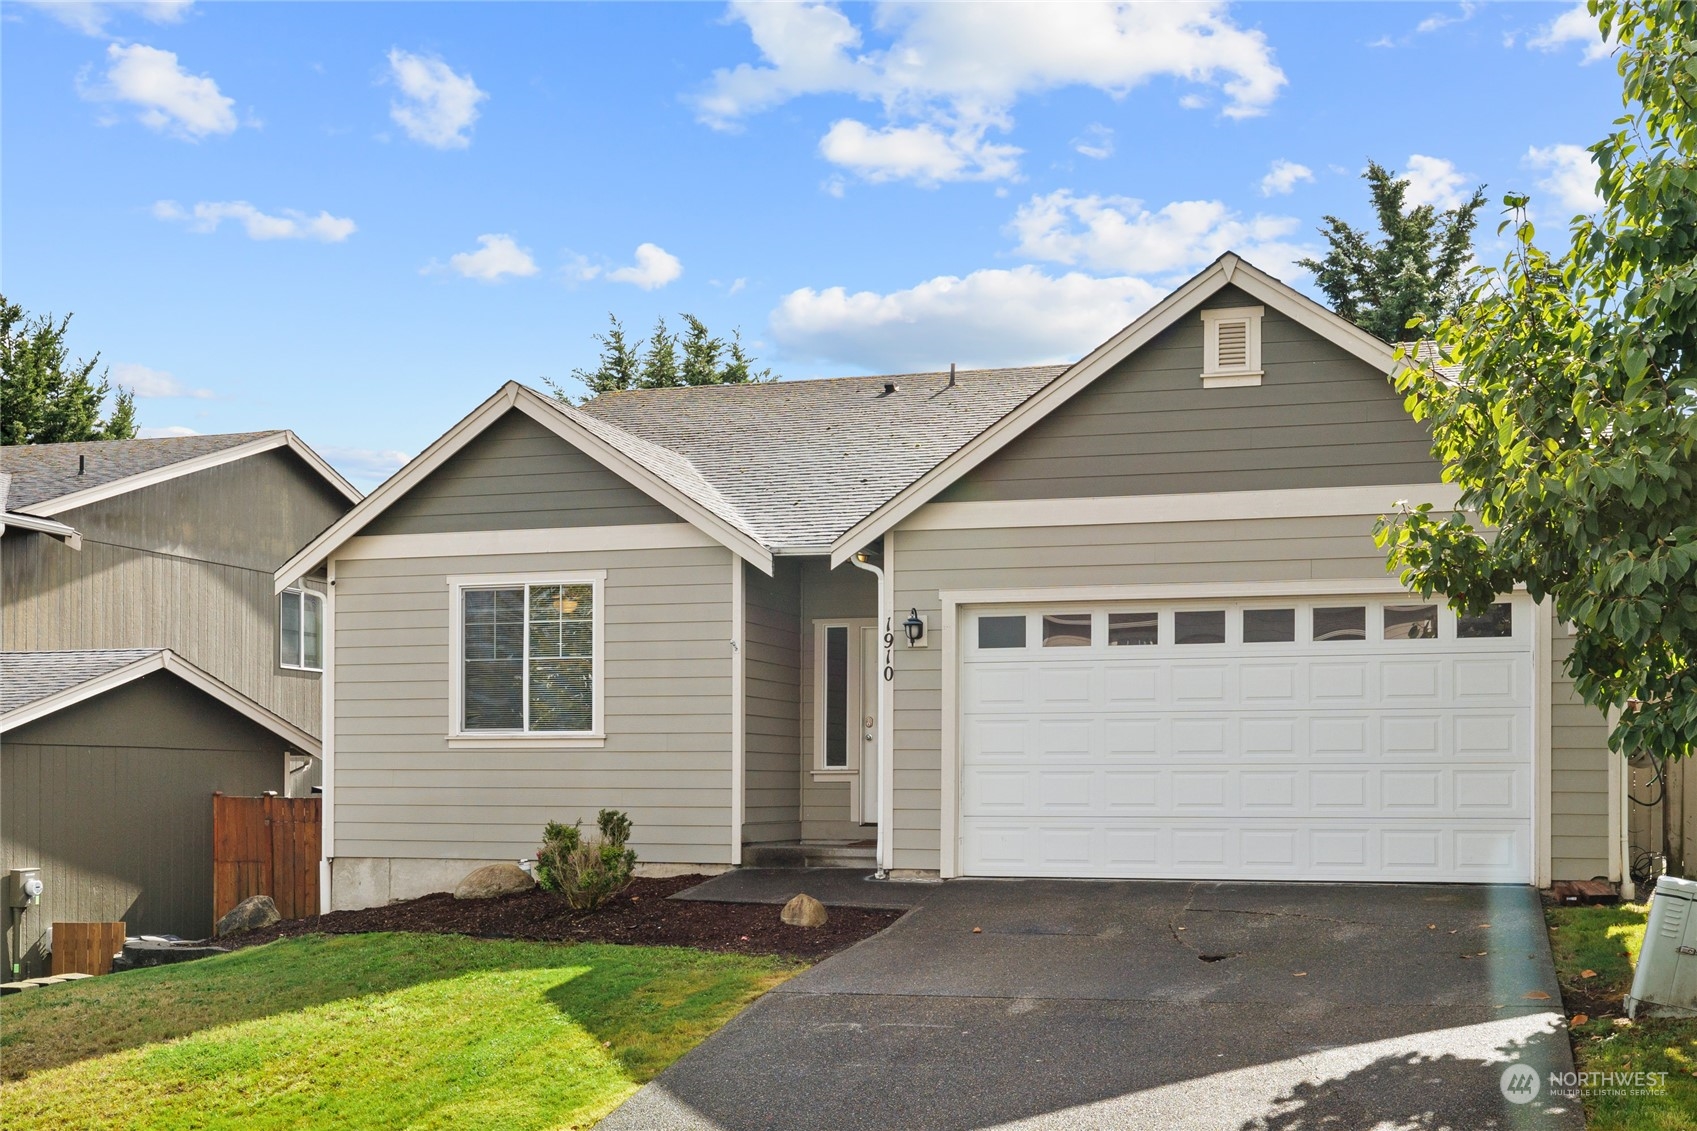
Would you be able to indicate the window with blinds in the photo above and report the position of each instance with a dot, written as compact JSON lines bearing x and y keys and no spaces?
{"x":1231,"y":346}
{"x":528,"y":658}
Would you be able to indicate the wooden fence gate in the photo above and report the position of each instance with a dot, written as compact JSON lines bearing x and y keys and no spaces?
{"x":266,"y":846}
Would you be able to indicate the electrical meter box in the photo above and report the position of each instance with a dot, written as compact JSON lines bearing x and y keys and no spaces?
{"x":1665,"y":983}
{"x":23,"y":887}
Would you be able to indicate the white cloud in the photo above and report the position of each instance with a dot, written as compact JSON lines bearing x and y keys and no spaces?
{"x":289,"y":224}
{"x":367,"y":467}
{"x":1434,"y":181}
{"x":1576,"y":25}
{"x":1115,"y":233}
{"x":1571,"y":176}
{"x":1464,"y":12}
{"x":166,"y":432}
{"x":497,"y":257}
{"x":169,"y":98}
{"x":148,"y":383}
{"x":921,"y":153}
{"x":653,"y":269}
{"x":990,"y":317}
{"x":91,"y":18}
{"x":437,"y":107}
{"x":1097,"y":142}
{"x":951,"y":72}
{"x":1282,"y":177}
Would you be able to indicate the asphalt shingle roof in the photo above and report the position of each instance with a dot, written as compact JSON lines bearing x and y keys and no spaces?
{"x":26,"y":677}
{"x":800,"y":462}
{"x":44,"y":472}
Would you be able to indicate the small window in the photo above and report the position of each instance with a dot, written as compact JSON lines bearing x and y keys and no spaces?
{"x":1347,"y":622}
{"x":1066,"y":630}
{"x":1231,"y":346}
{"x":1411,"y":622}
{"x":300,"y":630}
{"x":1001,"y":632}
{"x":1133,"y":629}
{"x":528,"y":658}
{"x":1269,"y":626}
{"x":1497,"y":621}
{"x":1202,"y":627}
{"x":836,"y":696}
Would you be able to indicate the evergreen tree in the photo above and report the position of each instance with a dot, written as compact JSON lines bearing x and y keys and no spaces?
{"x":665,"y":360}
{"x":660,"y":363}
{"x":619,"y":365}
{"x":45,"y":397}
{"x":1414,"y":270}
{"x":702,"y":352}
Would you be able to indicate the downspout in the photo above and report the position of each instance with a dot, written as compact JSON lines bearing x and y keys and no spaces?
{"x":886,"y":702}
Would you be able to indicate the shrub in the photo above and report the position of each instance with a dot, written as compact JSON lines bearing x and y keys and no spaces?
{"x":587,"y":871}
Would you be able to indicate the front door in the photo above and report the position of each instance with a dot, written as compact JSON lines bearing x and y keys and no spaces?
{"x":868,"y":725}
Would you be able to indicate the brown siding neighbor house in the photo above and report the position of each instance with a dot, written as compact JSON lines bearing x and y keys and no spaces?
{"x":145,"y":662}
{"x":1123,"y":618}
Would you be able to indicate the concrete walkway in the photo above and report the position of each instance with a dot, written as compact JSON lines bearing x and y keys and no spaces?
{"x":1051,"y":1004}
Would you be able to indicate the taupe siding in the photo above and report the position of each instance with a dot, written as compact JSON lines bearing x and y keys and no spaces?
{"x":1263,"y":550}
{"x":772,"y":693}
{"x":185,"y":564}
{"x":112,"y":799}
{"x":517,"y":475}
{"x":1579,"y":775}
{"x":401,"y":791}
{"x":846,"y":592}
{"x":1320,"y":418}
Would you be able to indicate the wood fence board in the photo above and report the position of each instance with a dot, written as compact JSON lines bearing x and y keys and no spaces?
{"x":86,"y":948}
{"x":266,"y":846}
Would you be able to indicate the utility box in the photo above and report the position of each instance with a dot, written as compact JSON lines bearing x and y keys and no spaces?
{"x":23,"y":887}
{"x":1665,"y":983}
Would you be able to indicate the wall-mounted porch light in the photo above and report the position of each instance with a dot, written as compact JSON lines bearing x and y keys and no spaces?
{"x":914,"y":626}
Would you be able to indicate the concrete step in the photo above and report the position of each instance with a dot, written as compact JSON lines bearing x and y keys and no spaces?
{"x":811,"y":854}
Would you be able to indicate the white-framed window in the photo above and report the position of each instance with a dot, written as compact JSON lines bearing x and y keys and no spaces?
{"x":300,"y":630}
{"x":526,"y":656}
{"x":1231,"y":346}
{"x":844,"y":693}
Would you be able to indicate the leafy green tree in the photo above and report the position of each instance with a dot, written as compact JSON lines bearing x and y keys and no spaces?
{"x":666,"y":360}
{"x":1563,"y":401}
{"x":1415,"y":269}
{"x":45,"y":397}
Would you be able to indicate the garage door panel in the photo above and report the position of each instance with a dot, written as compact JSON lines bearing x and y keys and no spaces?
{"x":1371,"y":758}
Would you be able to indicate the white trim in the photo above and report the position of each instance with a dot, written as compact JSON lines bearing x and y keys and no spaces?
{"x":1623,"y":812}
{"x":542,"y":540}
{"x":1215,"y":376}
{"x":303,"y":592}
{"x":739,"y":721}
{"x":68,"y":535}
{"x":163,"y":660}
{"x":510,"y":396}
{"x":948,"y":859}
{"x":1228,"y":269}
{"x":887,"y":714}
{"x":124,"y":486}
{"x":458,"y":736}
{"x":1543,"y":681}
{"x":1202,"y":506}
{"x":530,"y":743}
{"x":1178,"y":591}
{"x":327,"y":728}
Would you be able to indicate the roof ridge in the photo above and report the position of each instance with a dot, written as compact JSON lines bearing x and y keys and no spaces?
{"x":794,"y":381}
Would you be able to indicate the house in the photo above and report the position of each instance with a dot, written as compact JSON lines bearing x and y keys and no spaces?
{"x":1123,"y":618}
{"x":145,"y":663}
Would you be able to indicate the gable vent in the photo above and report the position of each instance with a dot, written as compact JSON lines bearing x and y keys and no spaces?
{"x":1231,"y":347}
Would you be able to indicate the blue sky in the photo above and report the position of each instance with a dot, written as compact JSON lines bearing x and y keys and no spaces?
{"x":358,"y":220}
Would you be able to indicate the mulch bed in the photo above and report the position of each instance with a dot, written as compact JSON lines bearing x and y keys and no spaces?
{"x":641,"y":914}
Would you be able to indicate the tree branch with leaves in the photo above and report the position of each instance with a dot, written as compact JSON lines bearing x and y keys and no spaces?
{"x":666,"y":360}
{"x":47,"y":398}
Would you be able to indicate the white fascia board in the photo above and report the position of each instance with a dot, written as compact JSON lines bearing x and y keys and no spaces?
{"x":1201,"y":506}
{"x":1227,"y":270}
{"x":541,"y":540}
{"x":53,"y":529}
{"x":162,"y":660}
{"x":282,"y":439}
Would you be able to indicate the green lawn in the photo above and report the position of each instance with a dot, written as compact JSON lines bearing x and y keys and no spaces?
{"x":367,"y":1031}
{"x":1605,"y":941}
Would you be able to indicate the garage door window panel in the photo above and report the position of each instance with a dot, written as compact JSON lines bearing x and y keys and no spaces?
{"x":1340,"y":622}
{"x":1134,"y":630}
{"x":1066,"y":630}
{"x":1497,"y":622}
{"x":1411,"y":622}
{"x":1269,"y":626}
{"x":1199,"y":626}
{"x":1001,"y":631}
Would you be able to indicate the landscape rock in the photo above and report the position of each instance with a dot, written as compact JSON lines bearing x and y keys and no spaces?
{"x":804,"y":911}
{"x":494,"y":879}
{"x":249,"y":915}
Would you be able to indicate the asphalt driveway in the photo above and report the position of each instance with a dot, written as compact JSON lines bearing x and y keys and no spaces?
{"x":1055,"y":1004}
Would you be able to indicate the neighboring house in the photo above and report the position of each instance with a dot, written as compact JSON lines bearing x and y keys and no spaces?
{"x":1155,"y":636}
{"x":145,"y":662}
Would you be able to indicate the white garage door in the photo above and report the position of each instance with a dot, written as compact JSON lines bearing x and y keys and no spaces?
{"x":1332,"y":738}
